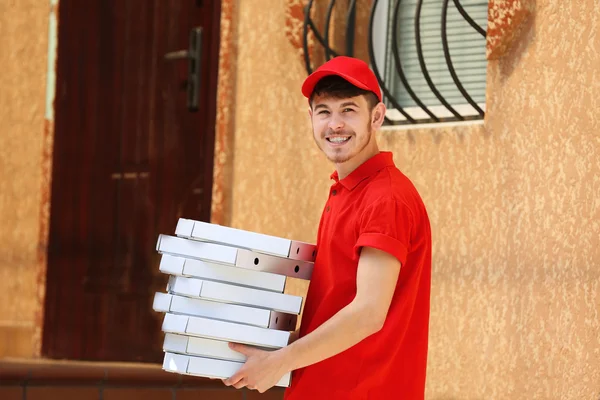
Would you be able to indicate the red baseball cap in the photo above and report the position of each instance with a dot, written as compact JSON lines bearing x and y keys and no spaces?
{"x":354,"y":70}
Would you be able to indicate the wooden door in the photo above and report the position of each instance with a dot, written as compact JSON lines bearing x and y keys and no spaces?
{"x":130,"y":157}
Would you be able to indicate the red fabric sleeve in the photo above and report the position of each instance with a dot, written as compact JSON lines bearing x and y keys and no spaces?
{"x":386,"y":225}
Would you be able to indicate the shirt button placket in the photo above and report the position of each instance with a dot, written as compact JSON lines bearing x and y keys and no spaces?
{"x":334,"y":192}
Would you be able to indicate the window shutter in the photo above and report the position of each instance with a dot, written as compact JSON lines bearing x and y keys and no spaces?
{"x":467,"y":52}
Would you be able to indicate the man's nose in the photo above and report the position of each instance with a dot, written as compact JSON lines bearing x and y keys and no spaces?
{"x":336,"y":123}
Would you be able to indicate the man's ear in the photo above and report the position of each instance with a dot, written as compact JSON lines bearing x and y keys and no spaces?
{"x":378,"y":115}
{"x":310,"y":112}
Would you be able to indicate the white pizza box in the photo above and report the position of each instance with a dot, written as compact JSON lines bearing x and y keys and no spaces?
{"x":232,"y":256}
{"x":226,"y":293}
{"x":208,"y":367}
{"x":197,"y":346}
{"x":258,"y":242}
{"x":225,"y":331}
{"x":181,"y":266}
{"x":199,"y":250}
{"x":263,"y":318}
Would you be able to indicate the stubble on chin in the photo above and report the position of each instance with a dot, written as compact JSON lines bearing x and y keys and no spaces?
{"x":336,"y":156}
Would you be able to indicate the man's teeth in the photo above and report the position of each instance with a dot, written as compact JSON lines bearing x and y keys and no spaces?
{"x":338,"y":139}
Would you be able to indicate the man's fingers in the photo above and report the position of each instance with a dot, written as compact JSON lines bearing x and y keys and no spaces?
{"x":241,"y":348}
{"x":235,"y":378}
{"x":240,"y":384}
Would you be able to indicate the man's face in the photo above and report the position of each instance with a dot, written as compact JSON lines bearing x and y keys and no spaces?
{"x":341,"y":127}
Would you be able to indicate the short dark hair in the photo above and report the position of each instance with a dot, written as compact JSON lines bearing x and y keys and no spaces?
{"x":339,"y":88}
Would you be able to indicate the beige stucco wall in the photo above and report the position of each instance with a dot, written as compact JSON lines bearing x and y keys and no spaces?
{"x":514,"y":203}
{"x":23,"y":57}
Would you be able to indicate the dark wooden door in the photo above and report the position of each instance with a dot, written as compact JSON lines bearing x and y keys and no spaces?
{"x":130,"y":157}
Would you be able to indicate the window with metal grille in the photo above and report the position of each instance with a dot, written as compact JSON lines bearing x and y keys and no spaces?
{"x":428,"y":55}
{"x":433,"y":57}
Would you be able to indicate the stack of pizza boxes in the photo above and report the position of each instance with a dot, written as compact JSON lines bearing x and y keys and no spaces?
{"x":226,"y":285}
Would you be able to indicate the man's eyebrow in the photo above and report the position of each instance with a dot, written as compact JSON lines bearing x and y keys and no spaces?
{"x":320,"y":106}
{"x":349,"y":103}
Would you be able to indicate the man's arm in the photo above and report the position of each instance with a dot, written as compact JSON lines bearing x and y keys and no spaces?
{"x":294,"y":336}
{"x":375,"y":285}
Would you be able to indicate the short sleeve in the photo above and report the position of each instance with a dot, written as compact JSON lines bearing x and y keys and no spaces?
{"x":386,"y":225}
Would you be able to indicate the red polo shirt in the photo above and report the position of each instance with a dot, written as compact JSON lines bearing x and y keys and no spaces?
{"x":376,"y":206}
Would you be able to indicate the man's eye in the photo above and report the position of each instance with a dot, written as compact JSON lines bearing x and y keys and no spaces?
{"x":348,"y":109}
{"x":323,"y":112}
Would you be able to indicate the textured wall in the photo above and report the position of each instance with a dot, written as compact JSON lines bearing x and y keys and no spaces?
{"x":505,"y":21}
{"x":543,"y":106}
{"x":23,"y":40}
{"x":514,"y":203}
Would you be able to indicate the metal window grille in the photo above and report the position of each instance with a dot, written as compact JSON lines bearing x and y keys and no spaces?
{"x":428,"y":55}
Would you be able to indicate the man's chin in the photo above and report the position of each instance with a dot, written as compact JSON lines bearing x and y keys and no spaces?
{"x":339,"y":159}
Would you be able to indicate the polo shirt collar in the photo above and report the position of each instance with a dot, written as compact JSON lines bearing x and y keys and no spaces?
{"x":366,"y":170}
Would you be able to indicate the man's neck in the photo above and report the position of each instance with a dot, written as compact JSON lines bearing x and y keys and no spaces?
{"x":346,"y":168}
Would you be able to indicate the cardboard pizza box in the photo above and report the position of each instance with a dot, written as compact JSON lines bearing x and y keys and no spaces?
{"x":257,"y":242}
{"x":263,"y":318}
{"x":227,"y":293}
{"x":207,"y":367}
{"x":181,"y":266}
{"x":232,"y":256}
{"x":225,"y":331}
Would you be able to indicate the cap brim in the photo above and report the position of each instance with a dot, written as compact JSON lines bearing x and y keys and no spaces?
{"x":309,"y":84}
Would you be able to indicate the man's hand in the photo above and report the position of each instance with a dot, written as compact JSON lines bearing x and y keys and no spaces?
{"x":375,"y":286}
{"x":261,"y":371}
{"x":376,"y":280}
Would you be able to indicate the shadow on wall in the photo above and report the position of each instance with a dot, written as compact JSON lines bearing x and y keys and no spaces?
{"x":524,"y":35}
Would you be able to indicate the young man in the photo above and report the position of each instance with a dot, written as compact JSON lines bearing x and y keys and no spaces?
{"x":364,"y":330}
